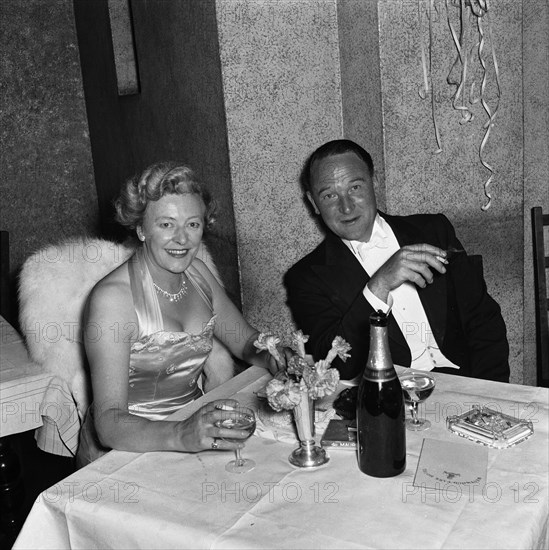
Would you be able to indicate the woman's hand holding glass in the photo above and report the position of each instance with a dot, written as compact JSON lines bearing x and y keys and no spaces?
{"x":204,"y":431}
{"x":237,"y":423}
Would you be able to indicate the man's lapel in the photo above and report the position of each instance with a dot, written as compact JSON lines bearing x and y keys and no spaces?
{"x":342,"y":272}
{"x":346,"y":277}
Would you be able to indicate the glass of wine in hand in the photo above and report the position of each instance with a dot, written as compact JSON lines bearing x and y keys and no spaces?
{"x":238,"y":418}
{"x":417,"y":387}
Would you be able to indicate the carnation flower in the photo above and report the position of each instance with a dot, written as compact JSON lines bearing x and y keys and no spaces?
{"x":320,"y":380}
{"x":268,"y":342}
{"x":339,"y":348}
{"x":296,"y":364}
{"x":298,"y":342}
{"x":283,"y":395}
{"x":285,"y":389}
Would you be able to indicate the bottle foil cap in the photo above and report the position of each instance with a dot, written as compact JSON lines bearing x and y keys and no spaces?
{"x":378,"y":319}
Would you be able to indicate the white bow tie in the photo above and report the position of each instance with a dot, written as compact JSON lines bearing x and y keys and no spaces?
{"x":377,"y":241}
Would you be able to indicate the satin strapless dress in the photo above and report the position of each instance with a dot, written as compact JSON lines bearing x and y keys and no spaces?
{"x":165,"y":366}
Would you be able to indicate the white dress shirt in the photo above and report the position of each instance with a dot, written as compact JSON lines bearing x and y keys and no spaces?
{"x":403,"y":302}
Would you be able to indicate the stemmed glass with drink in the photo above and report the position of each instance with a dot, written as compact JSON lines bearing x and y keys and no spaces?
{"x":417,"y":387}
{"x":238,"y":418}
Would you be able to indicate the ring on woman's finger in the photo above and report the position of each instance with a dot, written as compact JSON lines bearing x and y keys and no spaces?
{"x":215,"y":445}
{"x":224,"y":407}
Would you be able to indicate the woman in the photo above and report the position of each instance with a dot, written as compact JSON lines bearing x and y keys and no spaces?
{"x":157,"y":314}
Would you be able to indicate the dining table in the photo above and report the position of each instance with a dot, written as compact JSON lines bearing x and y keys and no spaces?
{"x":31,"y":398}
{"x":189,"y":500}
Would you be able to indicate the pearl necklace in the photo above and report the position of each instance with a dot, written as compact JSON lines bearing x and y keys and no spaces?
{"x":173,"y":297}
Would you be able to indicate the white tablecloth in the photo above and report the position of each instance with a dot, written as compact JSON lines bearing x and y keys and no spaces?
{"x":32,"y":399}
{"x":175,"y":500}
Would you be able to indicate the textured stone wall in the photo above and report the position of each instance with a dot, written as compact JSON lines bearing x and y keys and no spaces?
{"x":282,"y":99}
{"x":535,"y":25}
{"x":46,"y":180}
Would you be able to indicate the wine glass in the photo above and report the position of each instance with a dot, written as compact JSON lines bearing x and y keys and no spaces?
{"x":417,"y":387}
{"x":238,"y":418}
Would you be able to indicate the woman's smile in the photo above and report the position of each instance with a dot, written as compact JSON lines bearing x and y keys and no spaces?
{"x":177,"y":253}
{"x":172,"y":230}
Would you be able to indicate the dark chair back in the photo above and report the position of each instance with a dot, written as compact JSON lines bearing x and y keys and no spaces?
{"x":541,"y":264}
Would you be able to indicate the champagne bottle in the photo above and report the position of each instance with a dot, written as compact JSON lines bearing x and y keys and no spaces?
{"x":380,"y":408}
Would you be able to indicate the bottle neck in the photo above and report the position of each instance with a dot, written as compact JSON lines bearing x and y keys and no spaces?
{"x":380,"y":365}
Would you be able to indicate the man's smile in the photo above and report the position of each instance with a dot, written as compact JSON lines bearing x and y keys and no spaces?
{"x":350,"y":221}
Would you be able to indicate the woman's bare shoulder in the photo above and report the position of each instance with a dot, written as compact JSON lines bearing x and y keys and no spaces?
{"x":203,"y":269}
{"x":113,"y":292}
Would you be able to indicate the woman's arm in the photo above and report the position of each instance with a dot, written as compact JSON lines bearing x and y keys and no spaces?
{"x":111,"y":326}
{"x":233,"y":330}
{"x":219,"y":367}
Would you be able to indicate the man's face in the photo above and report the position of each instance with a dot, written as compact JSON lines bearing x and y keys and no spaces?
{"x":342,"y":192}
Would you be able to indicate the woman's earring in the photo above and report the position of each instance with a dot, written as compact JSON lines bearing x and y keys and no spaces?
{"x":142,"y":238}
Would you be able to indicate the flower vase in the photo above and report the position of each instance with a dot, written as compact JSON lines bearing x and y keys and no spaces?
{"x":307,"y":455}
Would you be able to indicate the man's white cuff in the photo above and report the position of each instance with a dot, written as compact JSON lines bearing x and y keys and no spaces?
{"x":376,"y":303}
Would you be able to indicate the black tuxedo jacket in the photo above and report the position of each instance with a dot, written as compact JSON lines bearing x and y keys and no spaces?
{"x":325,"y":296}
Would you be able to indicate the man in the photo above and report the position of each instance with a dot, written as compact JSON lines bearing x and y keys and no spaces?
{"x":441,"y":316}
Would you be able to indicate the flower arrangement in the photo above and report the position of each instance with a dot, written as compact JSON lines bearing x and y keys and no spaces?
{"x":301,"y":374}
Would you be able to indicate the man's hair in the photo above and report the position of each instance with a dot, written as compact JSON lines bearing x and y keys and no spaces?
{"x":330,"y":149}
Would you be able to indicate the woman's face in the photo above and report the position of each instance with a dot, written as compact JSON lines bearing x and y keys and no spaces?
{"x":173,"y":228}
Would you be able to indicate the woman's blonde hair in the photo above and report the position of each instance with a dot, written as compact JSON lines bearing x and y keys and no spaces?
{"x":153,"y":183}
